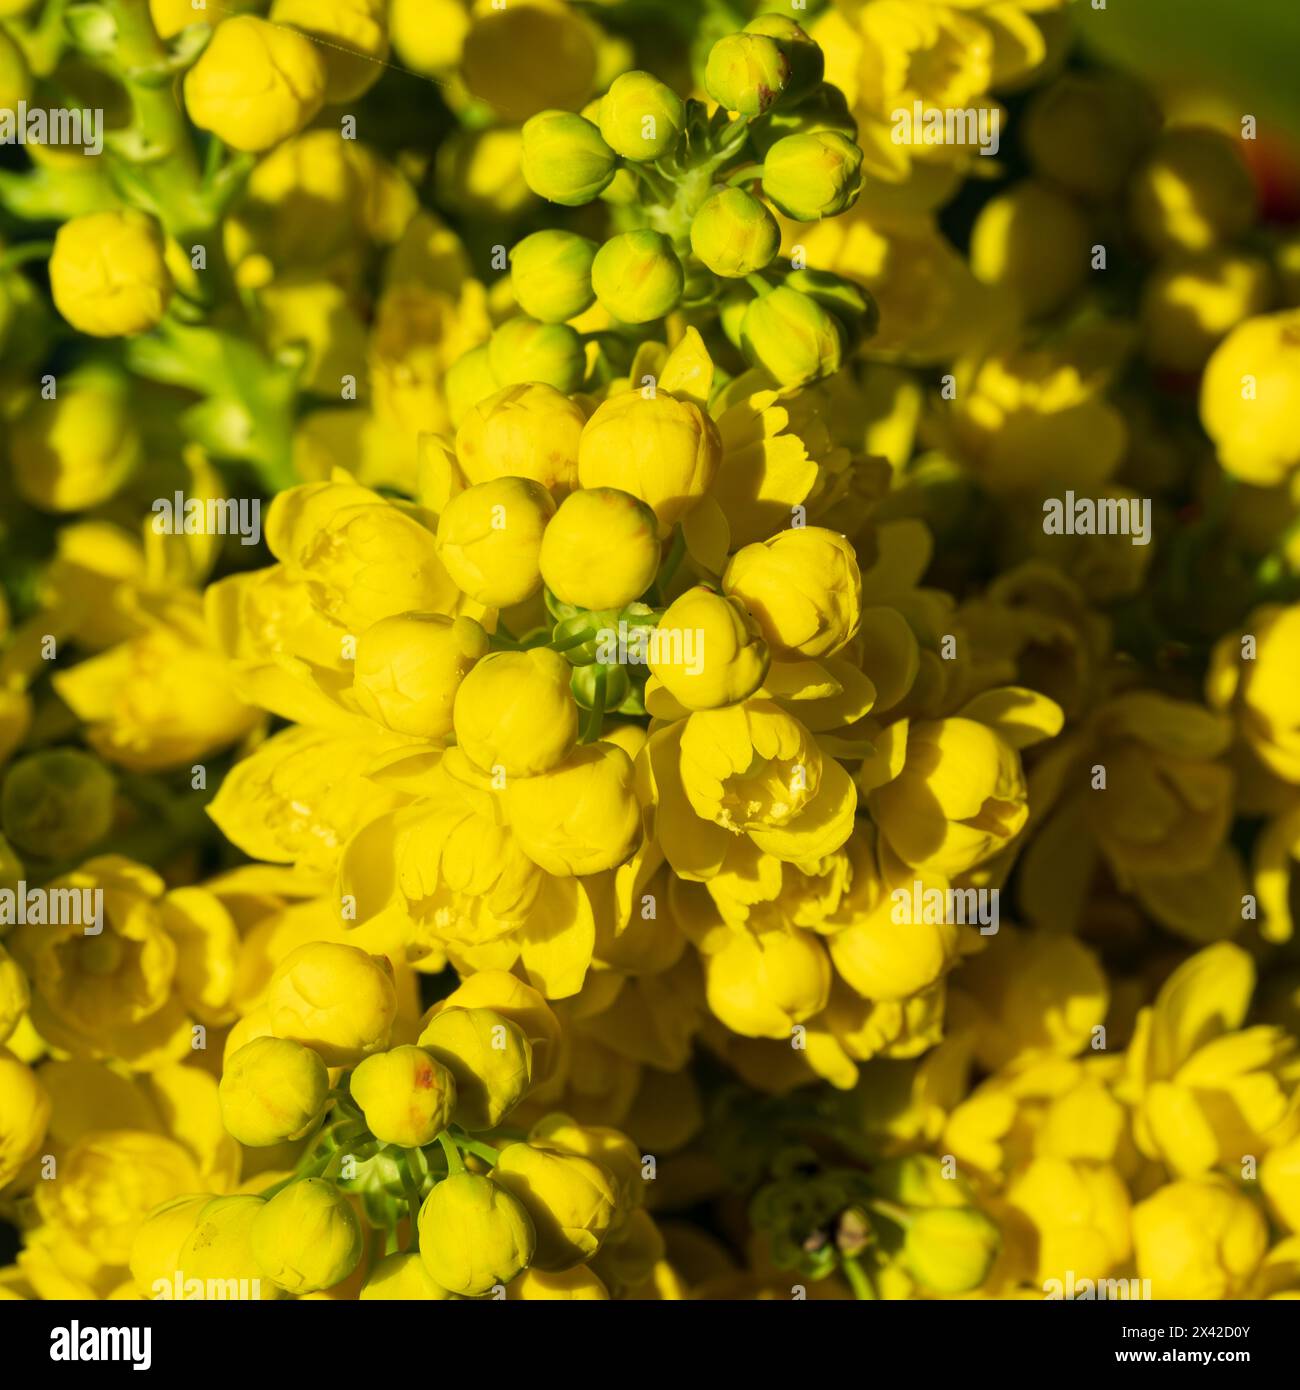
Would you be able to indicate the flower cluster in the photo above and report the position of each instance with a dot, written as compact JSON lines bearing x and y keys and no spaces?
{"x":625,"y":640}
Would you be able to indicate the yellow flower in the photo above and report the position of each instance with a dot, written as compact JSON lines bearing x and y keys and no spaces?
{"x":490,"y":539}
{"x":1080,"y":1212}
{"x":131,"y":989}
{"x":663,"y":450}
{"x":107,"y":274}
{"x":271,"y":1090}
{"x":75,"y":452}
{"x":804,"y":588}
{"x":949,"y":1250}
{"x":255,"y":84}
{"x":526,"y":57}
{"x":1206,"y":1091}
{"x":570,"y":1199}
{"x":959,"y":799}
{"x":1246,"y":394}
{"x":109,"y":1181}
{"x":1034,"y":243}
{"x":1262,"y":691}
{"x":707,"y":650}
{"x":14,"y":995}
{"x":306,"y":1237}
{"x":580,"y":816}
{"x":406,"y":1096}
{"x":474,"y":1235}
{"x":1192,"y":192}
{"x":490,"y":1058}
{"x":1198,"y":1238}
{"x":600,"y":549}
{"x":156,"y":1249}
{"x":576,"y":1283}
{"x":162,"y":699}
{"x":528,"y":431}
{"x":1190,"y":303}
{"x":334,"y":999}
{"x":25,"y":1106}
{"x":514,"y":711}
{"x":428,"y":35}
{"x":760,"y":984}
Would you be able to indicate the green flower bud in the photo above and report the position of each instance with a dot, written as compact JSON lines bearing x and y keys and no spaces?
{"x":565,"y":158}
{"x":732,"y":309}
{"x":734,"y":234}
{"x":406,"y":1096}
{"x":402,"y":1278}
{"x":746,"y":73}
{"x":813,"y":176}
{"x":523,"y":350}
{"x":272,"y":1090}
{"x":802,"y":52}
{"x":307,"y":1237}
{"x":792,"y":337}
{"x":550,"y":273}
{"x":623,"y":190}
{"x":854,"y":308}
{"x":641,"y":117}
{"x":826,"y":109}
{"x":490,"y":1058}
{"x":637,"y":276}
{"x":950,"y":1250}
{"x":57,"y":804}
{"x":474,"y":1235}
{"x":470,"y":379}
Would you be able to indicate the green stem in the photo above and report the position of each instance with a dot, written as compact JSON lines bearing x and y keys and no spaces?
{"x":28,"y":251}
{"x":484,"y":1151}
{"x":574,"y":639}
{"x":749,"y":174}
{"x":412,"y":1203}
{"x":595,"y":720}
{"x":859,"y":1280}
{"x":758,"y":284}
{"x":672,"y":562}
{"x":455,"y":1163}
{"x":891,"y":1211}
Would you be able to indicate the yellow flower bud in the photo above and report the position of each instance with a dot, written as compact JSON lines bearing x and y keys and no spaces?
{"x":1080,"y":1212}
{"x":107,"y":273}
{"x":428,"y":35}
{"x":804,"y":55}
{"x":734,"y":234}
{"x":641,"y":117}
{"x":746,"y":73}
{"x":490,"y":1058}
{"x":402,"y":1278}
{"x":524,"y":1006}
{"x":255,"y":84}
{"x":1255,"y":431}
{"x":1199,"y":1238}
{"x":1087,"y":130}
{"x":550,"y":273}
{"x":660,"y":449}
{"x":565,"y":158}
{"x":525,"y":431}
{"x":1189,"y":303}
{"x":570,"y":1199}
{"x":469,"y":380}
{"x":406,"y":1096}
{"x":353,"y":38}
{"x":528,"y":55}
{"x":272,"y":1090}
{"x":576,"y":1283}
{"x":813,"y":175}
{"x":708,"y":651}
{"x":307,"y":1237}
{"x":1034,"y":242}
{"x":156,"y":1249}
{"x":514,"y":711}
{"x":950,"y":1250}
{"x":24,"y":1115}
{"x":792,"y":337}
{"x":335,"y":999}
{"x":1193,"y":192}
{"x":409,"y":667}
{"x":474,"y":1235}
{"x":637,"y":276}
{"x":524,"y":350}
{"x":601,"y":549}
{"x":57,"y":804}
{"x":219,"y":1249}
{"x":490,"y":539}
{"x":803,"y":587}
{"x":610,"y":1148}
{"x":581,"y":817}
{"x":15,"y":997}
{"x":76,"y":452}
{"x":15,"y":75}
